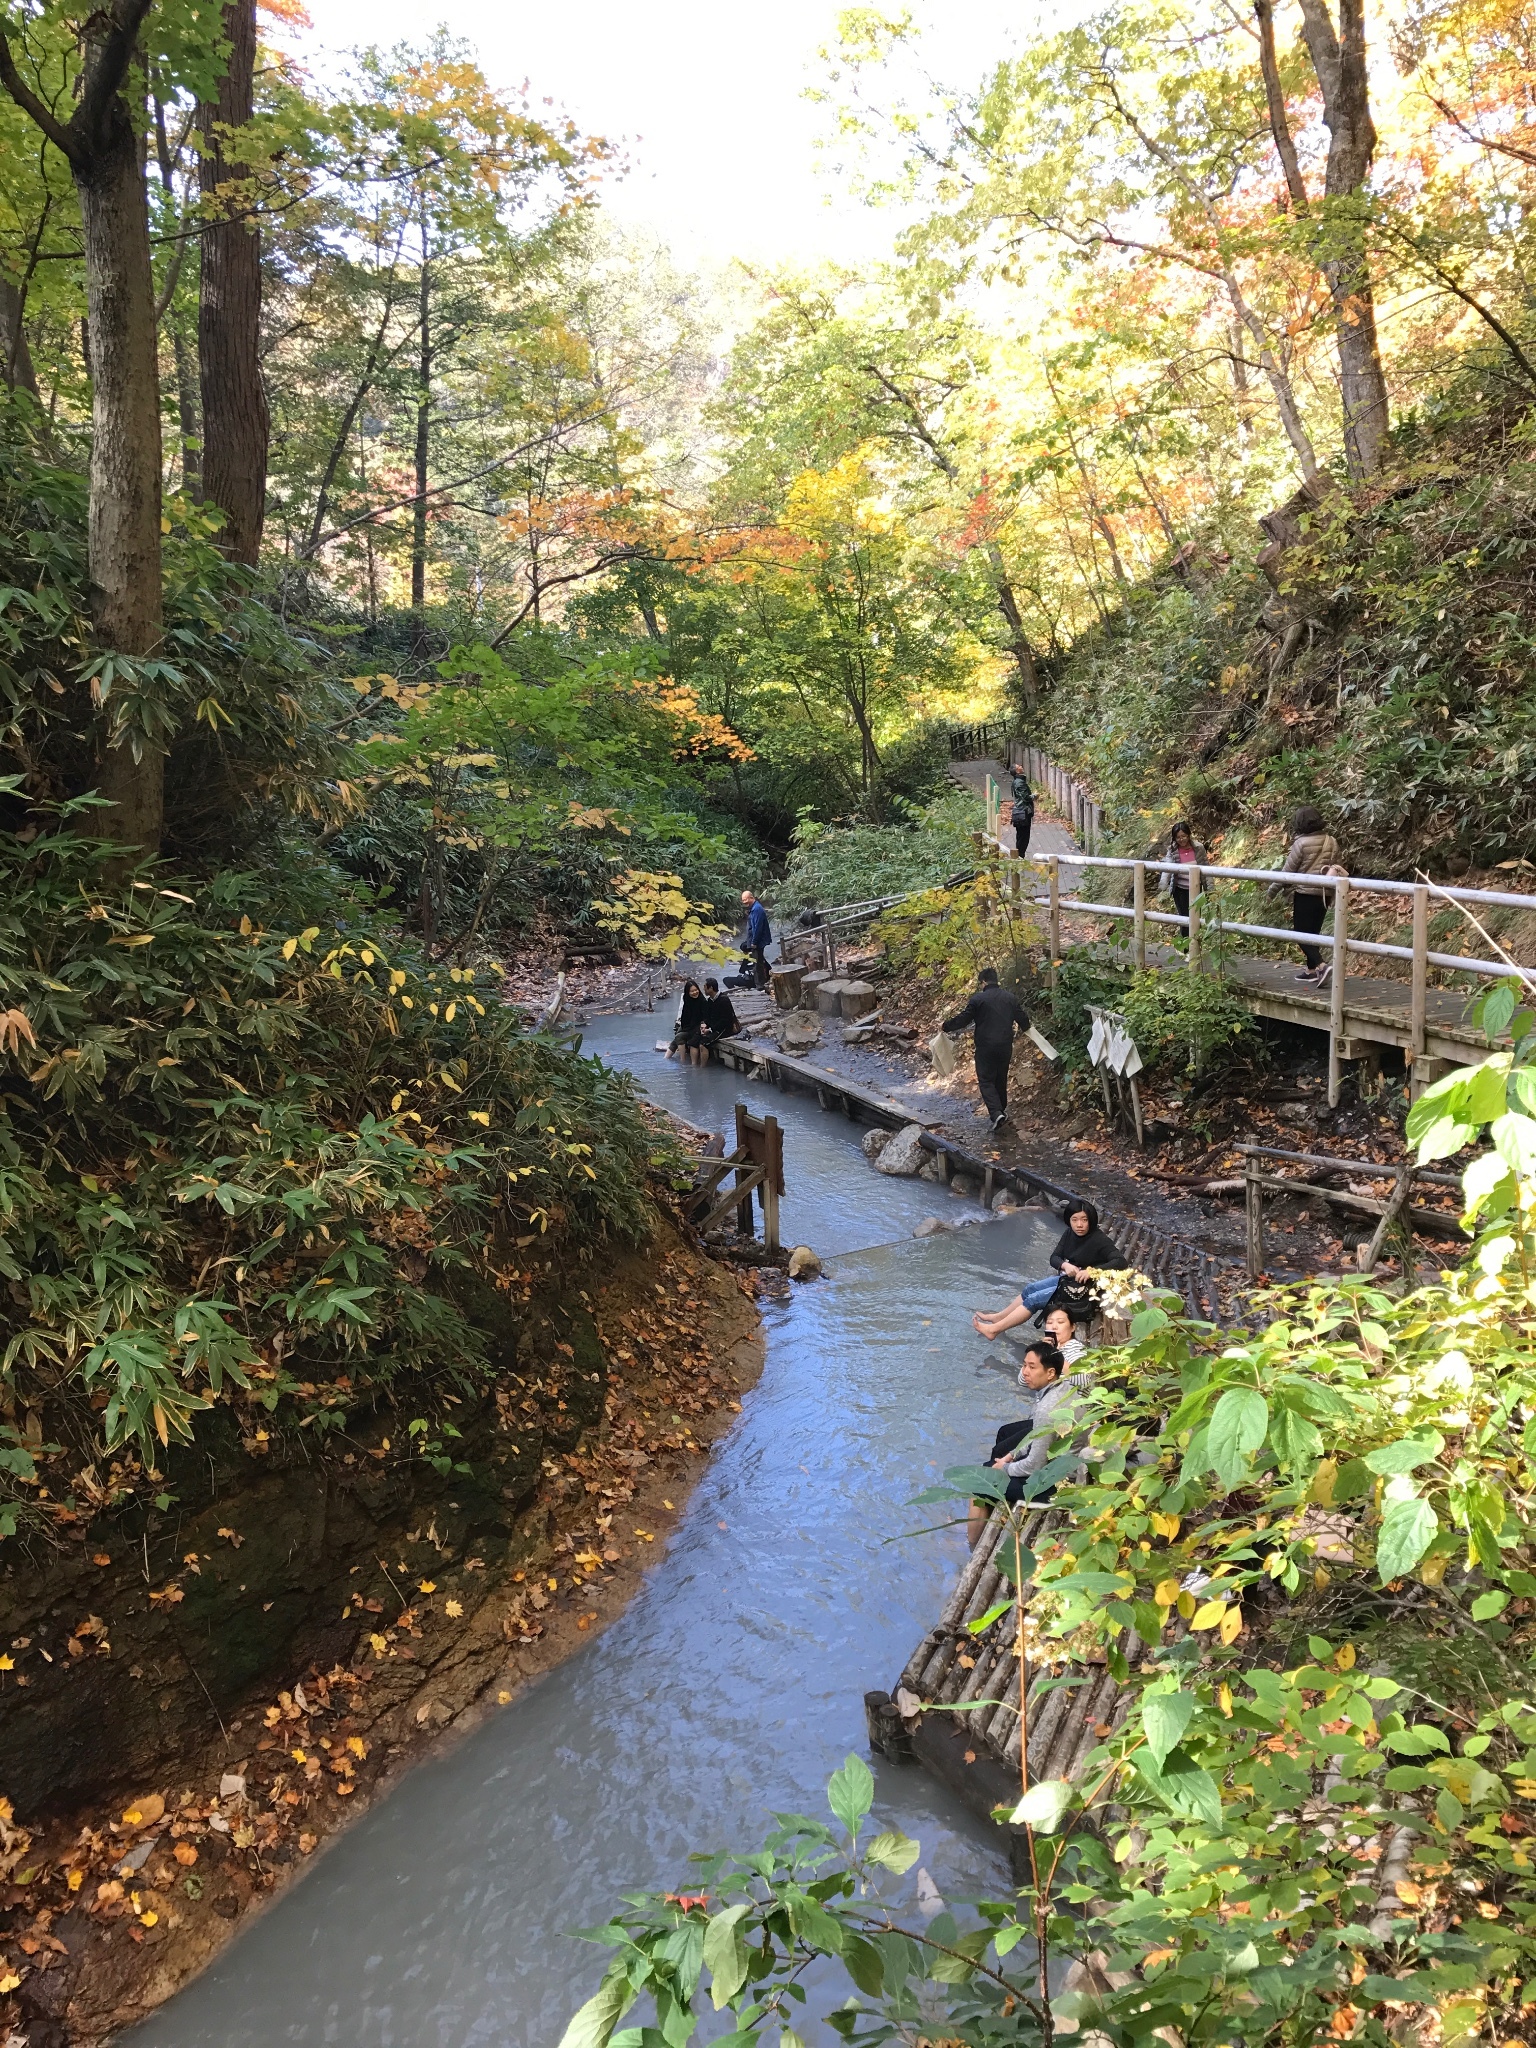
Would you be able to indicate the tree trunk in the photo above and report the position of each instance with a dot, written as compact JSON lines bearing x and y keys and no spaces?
{"x":423,"y":452}
{"x":1339,"y":61}
{"x":186,"y":414}
{"x":15,"y":356}
{"x":235,"y":422}
{"x":1018,"y":640}
{"x":124,"y":532}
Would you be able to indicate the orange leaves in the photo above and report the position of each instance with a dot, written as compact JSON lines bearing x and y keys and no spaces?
{"x":16,"y":1030}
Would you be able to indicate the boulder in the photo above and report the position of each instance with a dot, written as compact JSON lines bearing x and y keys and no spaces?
{"x":1005,"y":1201}
{"x":904,"y":1152}
{"x":873,"y":1143}
{"x":965,"y":1184}
{"x":798,"y":1032}
{"x":804,"y":1264}
{"x":932,"y":1226}
{"x":858,"y":999}
{"x":828,"y":997}
{"x":932,"y":1168}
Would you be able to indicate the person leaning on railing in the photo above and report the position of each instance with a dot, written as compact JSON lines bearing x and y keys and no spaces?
{"x":1313,"y":851}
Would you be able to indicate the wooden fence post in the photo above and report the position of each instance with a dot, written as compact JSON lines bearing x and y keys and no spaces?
{"x":1419,"y":1001}
{"x":1055,"y":917}
{"x":1340,"y":971}
{"x":1194,"y":921}
{"x":1255,"y":1207}
{"x":774,"y":1147}
{"x":1139,"y":902}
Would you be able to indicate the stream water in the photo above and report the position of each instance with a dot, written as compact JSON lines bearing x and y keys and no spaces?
{"x":730,"y":1688}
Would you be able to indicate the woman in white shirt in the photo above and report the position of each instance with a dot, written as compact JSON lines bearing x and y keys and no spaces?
{"x":1062,"y":1332}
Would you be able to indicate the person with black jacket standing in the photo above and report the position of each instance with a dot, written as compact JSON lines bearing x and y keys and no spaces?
{"x":993,"y":1012}
{"x":1022,"y":814}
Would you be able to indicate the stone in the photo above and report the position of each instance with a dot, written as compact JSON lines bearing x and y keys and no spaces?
{"x":828,"y":998}
{"x":1005,"y":1201}
{"x":932,"y":1226}
{"x":798,"y":1031}
{"x":965,"y":1184}
{"x":858,"y":999}
{"x":904,"y":1153}
{"x":874,"y":1142}
{"x":804,"y":1264}
{"x":932,"y":1169}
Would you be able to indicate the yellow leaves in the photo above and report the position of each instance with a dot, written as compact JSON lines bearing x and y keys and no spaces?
{"x":1320,"y":1492}
{"x":149,"y":1917}
{"x":1186,"y":1605}
{"x":1344,"y":1660}
{"x":137,"y":939}
{"x":357,"y":1746}
{"x":378,"y":1645}
{"x":1208,"y":1614}
{"x":453,"y":1609}
{"x":1166,"y":1592}
{"x":75,"y":1878}
{"x":1410,"y":1893}
{"x":1231,"y":1625}
{"x":16,"y":1030}
{"x":290,"y":947}
{"x":7,"y":1663}
{"x":426,"y":1586}
{"x":1156,"y":1956}
{"x":1224,"y":1699}
{"x":185,"y":1854}
{"x":1166,"y":1525}
{"x":9,"y":1981}
{"x":480,"y":1116}
{"x":145,"y":1812}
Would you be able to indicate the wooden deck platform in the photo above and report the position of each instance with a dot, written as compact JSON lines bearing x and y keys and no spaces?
{"x":833,"y":1091}
{"x":1376,"y":1011}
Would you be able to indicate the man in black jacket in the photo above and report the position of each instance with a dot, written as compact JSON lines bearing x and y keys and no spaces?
{"x":994,"y":1013}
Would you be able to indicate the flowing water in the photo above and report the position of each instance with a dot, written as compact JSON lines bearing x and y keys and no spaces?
{"x":730,"y":1688}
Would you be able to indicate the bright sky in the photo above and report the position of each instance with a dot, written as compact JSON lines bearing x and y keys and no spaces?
{"x":707,"y":97}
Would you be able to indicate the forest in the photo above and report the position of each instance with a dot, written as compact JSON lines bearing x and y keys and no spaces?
{"x":407,"y":569}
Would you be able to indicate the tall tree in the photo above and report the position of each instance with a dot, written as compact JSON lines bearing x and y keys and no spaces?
{"x":1339,"y":62}
{"x":101,"y":145}
{"x":234,"y":399}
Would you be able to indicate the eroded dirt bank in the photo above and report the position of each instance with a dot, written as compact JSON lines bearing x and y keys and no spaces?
{"x":190,"y":1707}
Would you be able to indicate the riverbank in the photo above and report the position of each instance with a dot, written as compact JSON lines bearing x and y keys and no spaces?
{"x":443,"y":1619}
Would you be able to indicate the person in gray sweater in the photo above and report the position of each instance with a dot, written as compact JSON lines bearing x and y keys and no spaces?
{"x":1021,"y":1448}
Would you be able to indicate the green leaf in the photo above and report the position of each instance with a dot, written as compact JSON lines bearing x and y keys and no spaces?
{"x":851,"y":1792}
{"x":1043,"y":1805}
{"x":1487,"y":1605}
{"x":1405,"y":1455}
{"x":725,"y":1953}
{"x":1407,"y":1530}
{"x":1237,"y":1428}
{"x":813,"y":1924}
{"x":592,"y":2025}
{"x":1165,"y":1716}
{"x":1514,"y":1140}
{"x":865,"y":1965}
{"x":1147,"y":1619}
{"x":893,"y":1851}
{"x":1183,"y":1787}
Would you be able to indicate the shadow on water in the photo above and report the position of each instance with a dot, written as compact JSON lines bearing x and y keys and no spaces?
{"x":730,"y":1688}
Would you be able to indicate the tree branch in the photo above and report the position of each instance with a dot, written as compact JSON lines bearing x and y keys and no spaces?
{"x":114,"y":54}
{"x":1274,"y":94}
{"x":30,"y":104}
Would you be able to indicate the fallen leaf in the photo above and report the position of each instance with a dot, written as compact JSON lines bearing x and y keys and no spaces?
{"x":503,"y":1698}
{"x":144,"y":1812}
{"x":1408,"y":1891}
{"x":101,"y":1557}
{"x":453,"y":1609}
{"x":185,"y":1854}
{"x":357,"y":1745}
{"x":427,"y":1586}
{"x":9,"y":1981}
{"x":970,"y":1756}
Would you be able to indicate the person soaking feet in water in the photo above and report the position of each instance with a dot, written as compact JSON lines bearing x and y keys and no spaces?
{"x":1083,"y":1248}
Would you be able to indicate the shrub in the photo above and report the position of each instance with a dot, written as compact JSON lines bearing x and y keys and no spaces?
{"x":831,"y":864}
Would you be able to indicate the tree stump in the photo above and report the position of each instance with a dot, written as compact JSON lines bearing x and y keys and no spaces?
{"x":786,"y":982}
{"x":858,"y":999}
{"x":828,"y":997}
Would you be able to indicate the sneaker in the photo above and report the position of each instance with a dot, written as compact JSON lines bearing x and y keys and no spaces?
{"x":1308,"y":973}
{"x":999,"y":1121}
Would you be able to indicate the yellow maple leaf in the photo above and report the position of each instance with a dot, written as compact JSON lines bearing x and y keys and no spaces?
{"x":427,"y":1586}
{"x":453,"y":1609}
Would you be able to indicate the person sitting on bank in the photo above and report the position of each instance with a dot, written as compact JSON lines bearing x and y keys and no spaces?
{"x":719,"y":1017}
{"x":1021,"y":1448}
{"x":688,"y":1037}
{"x":1083,"y":1249}
{"x":1060,"y":1330}
{"x":994,"y":1012}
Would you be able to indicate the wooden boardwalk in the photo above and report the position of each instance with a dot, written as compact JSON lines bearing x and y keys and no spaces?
{"x":1376,"y":1012}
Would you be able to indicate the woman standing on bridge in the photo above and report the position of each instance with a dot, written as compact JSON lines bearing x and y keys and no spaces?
{"x":1184,"y":852}
{"x":1313,"y":850}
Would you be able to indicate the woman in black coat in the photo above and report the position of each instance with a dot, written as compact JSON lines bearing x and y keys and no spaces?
{"x":689,"y":1034}
{"x":1083,"y":1248}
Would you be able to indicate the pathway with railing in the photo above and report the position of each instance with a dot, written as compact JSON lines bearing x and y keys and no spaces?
{"x":1361,"y":1013}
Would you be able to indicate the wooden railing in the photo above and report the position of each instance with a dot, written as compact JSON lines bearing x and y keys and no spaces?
{"x":1205,"y":916}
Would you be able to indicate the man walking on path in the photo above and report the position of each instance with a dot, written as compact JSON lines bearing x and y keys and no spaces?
{"x":1022,"y":814}
{"x":994,"y":1013}
{"x":759,"y":937}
